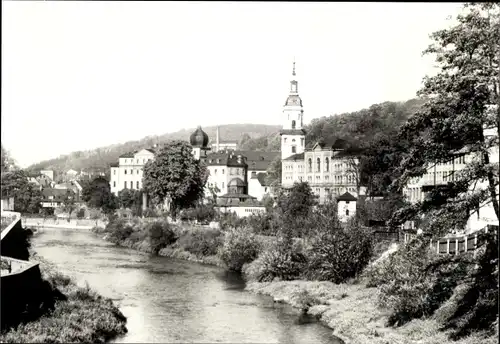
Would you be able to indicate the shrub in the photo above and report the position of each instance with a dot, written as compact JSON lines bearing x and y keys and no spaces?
{"x":202,"y":243}
{"x":121,"y":233}
{"x":240,"y":247}
{"x":80,"y":214}
{"x":284,"y":260}
{"x":160,"y":235}
{"x":414,"y":282}
{"x":337,"y":253}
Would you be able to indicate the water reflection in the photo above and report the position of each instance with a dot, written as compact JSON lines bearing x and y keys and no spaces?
{"x":175,"y":301}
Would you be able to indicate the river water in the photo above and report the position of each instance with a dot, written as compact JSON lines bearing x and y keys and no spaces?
{"x":168,"y":300}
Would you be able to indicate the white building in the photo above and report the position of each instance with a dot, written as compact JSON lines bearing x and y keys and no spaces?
{"x":128,"y":172}
{"x":346,"y":206}
{"x":324,"y":166}
{"x":444,"y":172}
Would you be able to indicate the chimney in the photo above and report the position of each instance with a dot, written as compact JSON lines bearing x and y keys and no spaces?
{"x":217,"y":139}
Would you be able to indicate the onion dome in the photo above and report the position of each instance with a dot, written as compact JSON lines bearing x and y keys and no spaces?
{"x":199,"y":138}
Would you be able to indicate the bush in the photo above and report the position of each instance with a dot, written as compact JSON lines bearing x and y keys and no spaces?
{"x":160,"y":235}
{"x":284,"y":260}
{"x":202,"y":243}
{"x":414,"y":281}
{"x":240,"y":247}
{"x":338,"y":254}
{"x":80,"y":214}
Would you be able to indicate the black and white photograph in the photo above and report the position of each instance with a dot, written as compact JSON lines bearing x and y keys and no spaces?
{"x":255,"y":172}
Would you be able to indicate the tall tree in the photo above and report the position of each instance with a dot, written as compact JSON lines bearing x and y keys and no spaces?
{"x":461,"y":101}
{"x":97,"y":194}
{"x":27,"y":196}
{"x":176,"y":176}
{"x":7,"y":161}
{"x":69,"y":202}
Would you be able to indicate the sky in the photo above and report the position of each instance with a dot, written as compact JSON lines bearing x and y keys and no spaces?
{"x":81,"y":75}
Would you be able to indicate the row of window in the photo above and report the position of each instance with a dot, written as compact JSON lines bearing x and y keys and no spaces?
{"x":431,"y":177}
{"x":346,"y":179}
{"x":215,"y":184}
{"x":125,"y":183}
{"x":136,"y":161}
{"x":326,"y":165}
{"x":414,"y":194}
{"x":253,"y":210}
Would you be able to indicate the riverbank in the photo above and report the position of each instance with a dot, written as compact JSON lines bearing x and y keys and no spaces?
{"x":79,"y":315}
{"x":350,"y":310}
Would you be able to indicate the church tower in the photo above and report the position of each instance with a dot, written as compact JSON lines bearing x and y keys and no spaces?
{"x":292,"y":135}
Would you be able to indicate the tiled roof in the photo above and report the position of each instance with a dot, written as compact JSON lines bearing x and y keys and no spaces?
{"x":292,"y":132}
{"x":298,"y":156}
{"x":57,"y":193}
{"x":256,"y":161}
{"x":346,"y":197}
{"x":114,"y":164}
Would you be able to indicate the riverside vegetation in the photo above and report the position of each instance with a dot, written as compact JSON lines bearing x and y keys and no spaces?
{"x":333,"y":271}
{"x":63,"y":312}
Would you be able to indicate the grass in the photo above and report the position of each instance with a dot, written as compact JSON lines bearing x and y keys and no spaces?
{"x":79,"y":316}
{"x":351,"y":310}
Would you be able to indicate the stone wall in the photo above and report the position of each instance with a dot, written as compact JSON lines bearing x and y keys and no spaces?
{"x":21,"y":292}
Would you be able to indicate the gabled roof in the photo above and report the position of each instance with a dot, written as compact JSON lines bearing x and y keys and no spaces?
{"x":292,"y":132}
{"x":346,"y":197}
{"x":298,"y":156}
{"x":334,"y":144}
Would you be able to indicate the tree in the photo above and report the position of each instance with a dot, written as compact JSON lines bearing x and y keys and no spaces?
{"x":131,"y":199}
{"x":273,"y":173}
{"x":7,"y":161}
{"x":461,"y":100}
{"x":27,"y":197}
{"x":295,"y":208}
{"x":175,"y":175}
{"x":97,"y":194}
{"x":69,"y":202}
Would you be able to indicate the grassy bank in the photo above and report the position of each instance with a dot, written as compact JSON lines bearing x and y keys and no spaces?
{"x":79,"y":315}
{"x":352,"y":312}
{"x":314,"y":274}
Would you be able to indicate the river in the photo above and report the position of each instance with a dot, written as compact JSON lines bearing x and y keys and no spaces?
{"x":167,"y":300}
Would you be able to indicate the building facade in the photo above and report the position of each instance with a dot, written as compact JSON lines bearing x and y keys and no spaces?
{"x":324,"y":165}
{"x":442,"y":173}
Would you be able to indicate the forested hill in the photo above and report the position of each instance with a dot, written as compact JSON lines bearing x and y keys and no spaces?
{"x":100,"y":158}
{"x":363,"y":126}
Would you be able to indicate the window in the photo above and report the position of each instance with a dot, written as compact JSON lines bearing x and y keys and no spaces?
{"x":294,"y":150}
{"x":125,"y":185}
{"x":327,"y":165}
{"x":137,"y":185}
{"x":223,"y":185}
{"x":309,"y":161}
{"x":284,"y":140}
{"x":131,"y":184}
{"x":318,"y":164}
{"x":347,"y":212}
{"x":293,"y":124}
{"x":137,"y":171}
{"x":131,"y":171}
{"x":302,"y":141}
{"x":114,"y":184}
{"x":114,"y":172}
{"x":215,"y":171}
{"x":222,"y":171}
{"x":125,"y":171}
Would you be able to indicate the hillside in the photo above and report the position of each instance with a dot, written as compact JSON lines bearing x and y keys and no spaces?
{"x":100,"y":158}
